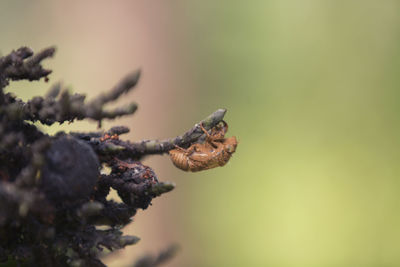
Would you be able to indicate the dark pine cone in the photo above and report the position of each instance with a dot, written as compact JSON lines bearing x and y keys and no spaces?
{"x":71,"y":170}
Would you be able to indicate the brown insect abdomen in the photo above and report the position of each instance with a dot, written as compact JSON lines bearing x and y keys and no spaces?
{"x":179,"y":159}
{"x":195,"y":166}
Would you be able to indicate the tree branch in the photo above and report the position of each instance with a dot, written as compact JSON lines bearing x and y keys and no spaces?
{"x":125,"y":149}
{"x":70,"y":107}
{"x":15,"y":67}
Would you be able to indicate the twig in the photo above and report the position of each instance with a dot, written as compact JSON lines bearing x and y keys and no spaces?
{"x":163,"y":146}
{"x":15,"y":57}
{"x":118,"y":130}
{"x":122,"y":87}
{"x":125,"y":149}
{"x":153,"y":261}
{"x":70,"y":107}
{"x":15,"y":67}
{"x":54,"y":91}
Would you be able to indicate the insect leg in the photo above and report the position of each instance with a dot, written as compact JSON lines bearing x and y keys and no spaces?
{"x":180,"y":148}
{"x":210,"y":139}
{"x":225,"y":127}
{"x":205,"y":131}
{"x":188,"y":151}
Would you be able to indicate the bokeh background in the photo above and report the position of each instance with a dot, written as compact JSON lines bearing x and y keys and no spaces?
{"x":312,"y":92}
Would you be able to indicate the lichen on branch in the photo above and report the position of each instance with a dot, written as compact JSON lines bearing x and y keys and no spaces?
{"x":23,"y":64}
{"x":64,"y":106}
{"x":126,"y":149}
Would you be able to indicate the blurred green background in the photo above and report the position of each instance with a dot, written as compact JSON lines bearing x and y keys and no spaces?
{"x":312,"y":92}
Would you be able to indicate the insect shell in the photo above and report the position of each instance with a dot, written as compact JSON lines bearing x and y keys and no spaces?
{"x":215,"y":151}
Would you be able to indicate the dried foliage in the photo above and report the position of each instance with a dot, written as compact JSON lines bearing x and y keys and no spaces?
{"x":52,"y":192}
